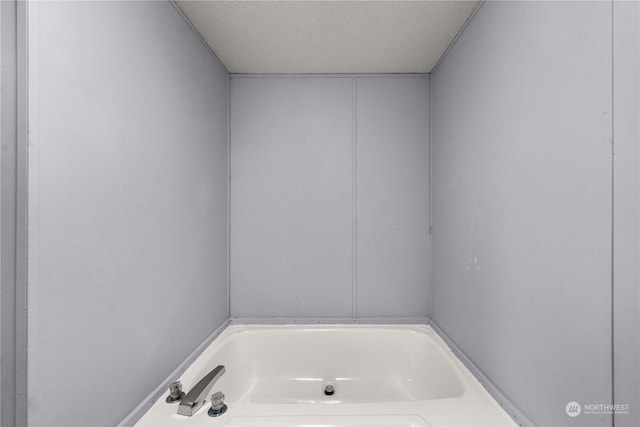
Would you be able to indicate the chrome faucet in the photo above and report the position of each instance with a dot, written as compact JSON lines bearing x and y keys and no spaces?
{"x":195,"y":399}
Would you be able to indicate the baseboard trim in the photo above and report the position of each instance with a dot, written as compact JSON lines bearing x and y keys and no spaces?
{"x":516,"y":414}
{"x":329,"y":320}
{"x":161,"y":389}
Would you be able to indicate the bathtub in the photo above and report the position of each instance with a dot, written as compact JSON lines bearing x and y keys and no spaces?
{"x":382,"y":375}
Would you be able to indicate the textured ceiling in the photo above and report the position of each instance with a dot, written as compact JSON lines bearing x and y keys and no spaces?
{"x":328,"y":36}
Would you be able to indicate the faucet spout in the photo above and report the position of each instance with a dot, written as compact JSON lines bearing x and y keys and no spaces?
{"x":195,"y":399}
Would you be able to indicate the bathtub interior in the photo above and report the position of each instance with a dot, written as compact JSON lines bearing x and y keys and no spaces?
{"x":384,"y":375}
{"x":294,"y":364}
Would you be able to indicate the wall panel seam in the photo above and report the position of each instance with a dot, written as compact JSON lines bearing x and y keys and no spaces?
{"x":354,"y":195}
{"x":612,"y":303}
{"x":430,"y":209}
{"x":228,"y":196}
{"x":22,"y":168}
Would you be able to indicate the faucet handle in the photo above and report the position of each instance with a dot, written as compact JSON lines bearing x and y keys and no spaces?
{"x":217,"y":399}
{"x":175,"y":392}
{"x":218,"y":406}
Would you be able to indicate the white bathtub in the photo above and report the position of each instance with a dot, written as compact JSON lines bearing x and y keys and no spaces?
{"x":383,"y":375}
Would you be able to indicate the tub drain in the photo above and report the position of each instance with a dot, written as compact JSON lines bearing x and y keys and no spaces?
{"x":328,"y":390}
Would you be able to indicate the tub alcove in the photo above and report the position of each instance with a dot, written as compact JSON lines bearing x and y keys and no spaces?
{"x":430,"y":206}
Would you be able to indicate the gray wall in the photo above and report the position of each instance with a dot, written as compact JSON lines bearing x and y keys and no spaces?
{"x":392,"y":196}
{"x":8,"y":139}
{"x":329,"y":196}
{"x":626,"y":131}
{"x":521,"y":193}
{"x":127,"y":204}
